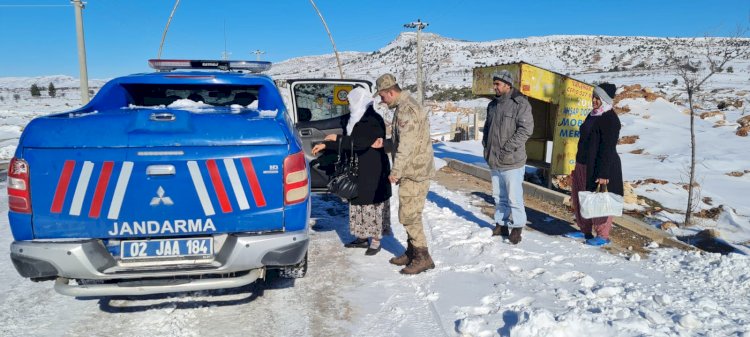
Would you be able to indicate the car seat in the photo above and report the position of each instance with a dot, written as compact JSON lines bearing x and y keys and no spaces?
{"x":244,"y":98}
{"x":196,"y":98}
{"x":304,"y":114}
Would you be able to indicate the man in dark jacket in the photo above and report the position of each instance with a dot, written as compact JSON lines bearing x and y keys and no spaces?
{"x":508,"y":126}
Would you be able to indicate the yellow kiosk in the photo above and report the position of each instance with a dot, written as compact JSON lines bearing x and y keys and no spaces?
{"x":559,"y":105}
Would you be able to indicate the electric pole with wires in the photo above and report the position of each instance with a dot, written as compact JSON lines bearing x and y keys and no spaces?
{"x":419,"y":25}
{"x":78,"y":5}
{"x":257,"y":53}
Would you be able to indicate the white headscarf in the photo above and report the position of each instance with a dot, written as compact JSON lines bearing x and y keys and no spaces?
{"x":359,"y":100}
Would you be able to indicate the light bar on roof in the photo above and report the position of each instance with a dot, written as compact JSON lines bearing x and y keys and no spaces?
{"x":226,"y":65}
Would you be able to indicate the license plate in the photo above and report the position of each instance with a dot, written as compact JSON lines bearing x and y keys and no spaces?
{"x":139,"y":249}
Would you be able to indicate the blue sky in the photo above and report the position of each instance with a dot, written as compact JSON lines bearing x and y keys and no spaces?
{"x":38,"y":36}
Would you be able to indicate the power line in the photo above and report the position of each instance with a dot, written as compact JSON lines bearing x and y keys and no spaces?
{"x":330,"y":36}
{"x":164,"y":35}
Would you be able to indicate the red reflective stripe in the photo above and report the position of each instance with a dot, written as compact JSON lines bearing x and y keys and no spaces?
{"x":62,"y":186}
{"x":221,"y":193}
{"x":252,"y":178}
{"x":101,"y":189}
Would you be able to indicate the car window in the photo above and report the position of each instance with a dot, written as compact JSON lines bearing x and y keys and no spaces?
{"x":214,"y":95}
{"x":321,"y":101}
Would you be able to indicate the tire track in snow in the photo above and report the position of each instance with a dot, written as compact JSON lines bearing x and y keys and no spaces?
{"x":311,"y":306}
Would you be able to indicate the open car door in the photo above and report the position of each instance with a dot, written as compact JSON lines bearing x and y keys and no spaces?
{"x":319,"y":107}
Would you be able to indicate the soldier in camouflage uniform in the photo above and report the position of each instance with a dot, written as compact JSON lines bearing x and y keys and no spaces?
{"x":413,"y":166}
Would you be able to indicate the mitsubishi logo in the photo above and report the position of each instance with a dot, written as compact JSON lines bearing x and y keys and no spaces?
{"x":160,"y":198}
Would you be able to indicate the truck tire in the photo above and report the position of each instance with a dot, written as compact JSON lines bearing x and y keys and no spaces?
{"x":294,"y":271}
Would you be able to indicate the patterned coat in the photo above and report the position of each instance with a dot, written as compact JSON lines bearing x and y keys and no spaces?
{"x":412,"y":146}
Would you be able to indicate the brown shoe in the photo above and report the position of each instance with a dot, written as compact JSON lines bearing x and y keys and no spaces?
{"x":515,"y":235}
{"x":405,"y":258}
{"x":500,"y":230}
{"x":421,"y":262}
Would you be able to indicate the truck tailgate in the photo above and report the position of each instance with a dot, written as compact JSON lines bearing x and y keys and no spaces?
{"x":156,"y":192}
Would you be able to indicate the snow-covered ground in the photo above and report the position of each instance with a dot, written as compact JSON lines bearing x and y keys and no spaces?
{"x":657,"y":165}
{"x":545,"y":286}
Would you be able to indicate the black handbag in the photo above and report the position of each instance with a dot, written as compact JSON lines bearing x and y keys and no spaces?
{"x":344,"y":181}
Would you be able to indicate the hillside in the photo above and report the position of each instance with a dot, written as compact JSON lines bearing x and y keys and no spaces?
{"x":448,"y":62}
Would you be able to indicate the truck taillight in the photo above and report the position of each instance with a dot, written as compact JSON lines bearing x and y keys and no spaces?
{"x":295,"y":179}
{"x":19,"y":195}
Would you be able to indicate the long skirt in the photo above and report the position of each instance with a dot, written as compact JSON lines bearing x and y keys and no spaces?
{"x":602,"y":225}
{"x":370,"y":221}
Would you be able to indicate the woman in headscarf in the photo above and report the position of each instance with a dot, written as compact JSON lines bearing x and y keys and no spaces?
{"x":369,"y":212}
{"x":597,"y":163}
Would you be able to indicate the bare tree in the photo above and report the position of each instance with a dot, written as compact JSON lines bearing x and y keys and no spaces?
{"x":696,"y":69}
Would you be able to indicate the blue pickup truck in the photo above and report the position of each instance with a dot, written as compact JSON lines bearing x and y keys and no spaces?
{"x":172,"y":181}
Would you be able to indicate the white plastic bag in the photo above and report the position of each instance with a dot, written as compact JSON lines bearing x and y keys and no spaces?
{"x":600,"y":203}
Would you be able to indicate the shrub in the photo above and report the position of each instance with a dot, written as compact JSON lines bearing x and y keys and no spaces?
{"x":452,"y":94}
{"x":35,"y":91}
{"x":51,"y":90}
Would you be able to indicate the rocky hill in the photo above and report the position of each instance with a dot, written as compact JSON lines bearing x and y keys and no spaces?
{"x":448,"y":62}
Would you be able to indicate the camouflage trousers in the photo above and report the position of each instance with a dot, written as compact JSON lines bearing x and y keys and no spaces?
{"x":411,"y":198}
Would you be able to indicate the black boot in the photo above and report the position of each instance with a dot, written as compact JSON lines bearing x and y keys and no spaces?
{"x":500,"y":230}
{"x":358,"y":243}
{"x":374,"y":248}
{"x":515,"y":235}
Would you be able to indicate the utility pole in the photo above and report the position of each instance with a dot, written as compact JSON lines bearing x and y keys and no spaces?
{"x":419,"y":25}
{"x":225,"y":54}
{"x":78,"y":5}
{"x":257,"y":53}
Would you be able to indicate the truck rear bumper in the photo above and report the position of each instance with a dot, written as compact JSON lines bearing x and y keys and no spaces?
{"x":90,"y":259}
{"x":158,"y":286}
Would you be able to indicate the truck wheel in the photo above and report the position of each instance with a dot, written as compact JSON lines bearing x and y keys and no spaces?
{"x":294,"y":271}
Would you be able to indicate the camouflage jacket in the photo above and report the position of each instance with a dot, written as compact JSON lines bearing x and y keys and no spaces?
{"x":412,"y":147}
